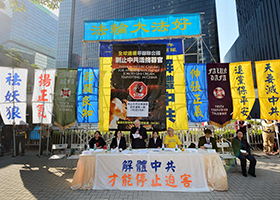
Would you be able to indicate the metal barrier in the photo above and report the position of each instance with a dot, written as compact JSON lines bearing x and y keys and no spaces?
{"x":83,"y":135}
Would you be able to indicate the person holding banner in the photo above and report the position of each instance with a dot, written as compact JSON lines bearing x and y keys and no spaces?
{"x":207,"y":142}
{"x":268,"y":136}
{"x":138,"y":135}
{"x":171,"y":140}
{"x":118,"y":141}
{"x":242,"y":150}
{"x":155,"y":141}
{"x":97,"y":140}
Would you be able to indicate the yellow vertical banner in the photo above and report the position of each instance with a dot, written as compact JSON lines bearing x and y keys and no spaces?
{"x":242,"y":89}
{"x":268,"y":81}
{"x":105,"y":67}
{"x":176,"y":106}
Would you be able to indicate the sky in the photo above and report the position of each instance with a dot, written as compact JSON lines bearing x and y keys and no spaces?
{"x":227,"y":24}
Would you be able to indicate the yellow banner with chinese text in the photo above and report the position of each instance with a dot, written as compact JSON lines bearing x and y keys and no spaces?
{"x":105,"y":68}
{"x":268,"y":76}
{"x":242,"y":89}
{"x":176,"y":106}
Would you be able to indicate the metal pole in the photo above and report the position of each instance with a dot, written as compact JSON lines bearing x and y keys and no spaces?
{"x":14,"y":137}
{"x":247,"y":135}
{"x":48,"y":140}
{"x":40,"y":140}
{"x":197,"y":51}
{"x":202,"y":56}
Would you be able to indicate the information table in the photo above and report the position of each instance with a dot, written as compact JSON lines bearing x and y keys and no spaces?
{"x":156,"y":171}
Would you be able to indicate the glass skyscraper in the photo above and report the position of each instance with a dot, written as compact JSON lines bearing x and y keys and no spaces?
{"x":259,"y":28}
{"x":33,"y":33}
{"x":70,"y":51}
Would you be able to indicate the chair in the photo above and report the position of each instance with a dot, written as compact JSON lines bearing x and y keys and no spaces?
{"x":227,"y":156}
{"x":76,"y":147}
{"x":56,"y":147}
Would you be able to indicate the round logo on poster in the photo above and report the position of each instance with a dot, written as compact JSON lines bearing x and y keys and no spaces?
{"x":219,"y":93}
{"x":138,"y":90}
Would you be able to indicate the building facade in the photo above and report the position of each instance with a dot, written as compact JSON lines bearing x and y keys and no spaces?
{"x":32,"y":32}
{"x":70,"y":49}
{"x":259,"y":28}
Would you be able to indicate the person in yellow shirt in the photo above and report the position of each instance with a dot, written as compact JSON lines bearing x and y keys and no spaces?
{"x":171,"y":140}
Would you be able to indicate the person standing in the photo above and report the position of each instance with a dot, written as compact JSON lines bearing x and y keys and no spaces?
{"x":138,"y":135}
{"x":20,"y":138}
{"x":242,"y":150}
{"x":268,"y":136}
{"x":242,"y":125}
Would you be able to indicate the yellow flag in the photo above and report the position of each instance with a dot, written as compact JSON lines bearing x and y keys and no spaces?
{"x":242,"y":89}
{"x":268,"y":81}
{"x":105,"y":68}
{"x":176,"y":108}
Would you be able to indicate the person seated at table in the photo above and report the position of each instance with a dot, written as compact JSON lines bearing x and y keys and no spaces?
{"x":241,"y":149}
{"x":155,"y":141}
{"x":97,"y":140}
{"x":118,"y":141}
{"x":171,"y":140}
{"x":207,"y":141}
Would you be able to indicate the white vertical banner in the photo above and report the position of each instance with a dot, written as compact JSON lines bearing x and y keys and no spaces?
{"x":43,"y":93}
{"x":13,"y":82}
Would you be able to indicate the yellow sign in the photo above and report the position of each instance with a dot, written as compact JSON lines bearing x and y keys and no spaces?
{"x":242,"y":89}
{"x":268,"y":76}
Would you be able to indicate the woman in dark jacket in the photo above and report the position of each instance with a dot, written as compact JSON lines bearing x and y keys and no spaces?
{"x":98,"y":140}
{"x":118,"y":141}
{"x":155,"y":141}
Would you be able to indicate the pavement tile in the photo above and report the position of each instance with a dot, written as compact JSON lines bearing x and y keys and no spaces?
{"x":28,"y":178}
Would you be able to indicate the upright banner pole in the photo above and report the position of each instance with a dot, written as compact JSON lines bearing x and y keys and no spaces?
{"x":14,"y":138}
{"x":48,"y":140}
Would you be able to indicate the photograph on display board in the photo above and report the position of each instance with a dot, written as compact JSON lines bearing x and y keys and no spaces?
{"x":138,"y":86}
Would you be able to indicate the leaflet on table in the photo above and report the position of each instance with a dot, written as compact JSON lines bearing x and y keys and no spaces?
{"x":172,"y":150}
{"x":211,"y":150}
{"x":208,"y":146}
{"x":191,"y":150}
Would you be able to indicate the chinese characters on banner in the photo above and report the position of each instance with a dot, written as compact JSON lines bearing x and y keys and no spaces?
{"x":219,"y":94}
{"x":165,"y":26}
{"x":176,"y":109}
{"x":13,"y":95}
{"x":150,"y":172}
{"x":138,"y":86}
{"x":242,"y":89}
{"x":196,"y":92}
{"x":268,"y":76}
{"x":43,"y":92}
{"x":65,"y":98}
{"x":87,"y":95}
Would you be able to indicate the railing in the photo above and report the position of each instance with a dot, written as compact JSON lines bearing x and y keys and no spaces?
{"x":82,"y":136}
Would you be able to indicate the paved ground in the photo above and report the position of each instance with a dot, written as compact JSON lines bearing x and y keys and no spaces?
{"x":28,"y":178}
